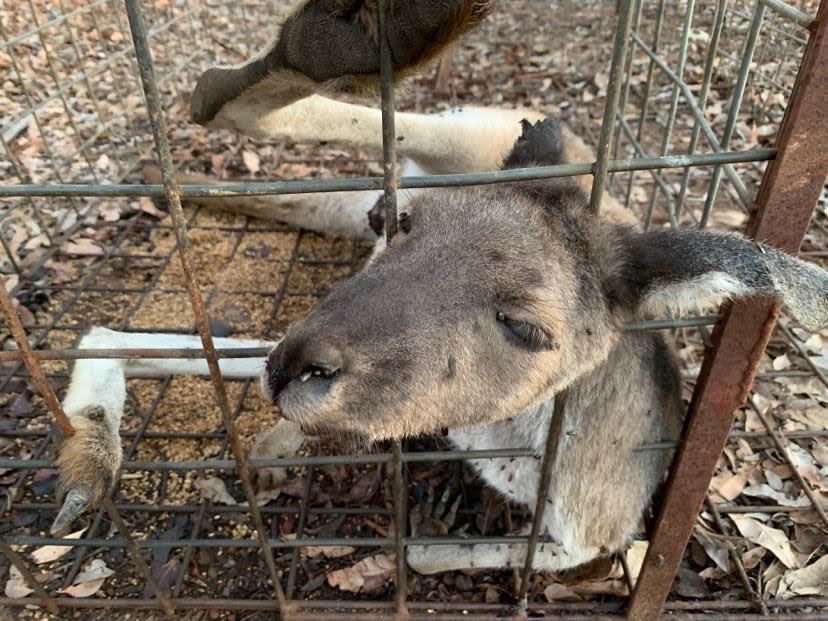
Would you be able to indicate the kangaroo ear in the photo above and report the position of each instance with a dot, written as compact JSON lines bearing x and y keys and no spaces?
{"x":332,"y":45}
{"x":540,"y":144}
{"x":674,"y":271}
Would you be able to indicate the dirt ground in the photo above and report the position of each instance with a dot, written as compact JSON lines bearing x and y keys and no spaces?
{"x":259,"y":276}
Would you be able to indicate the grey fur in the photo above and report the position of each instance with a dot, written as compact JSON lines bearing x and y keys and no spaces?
{"x":426,"y":338}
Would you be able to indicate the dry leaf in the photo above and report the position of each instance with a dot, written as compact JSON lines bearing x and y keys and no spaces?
{"x":635,"y":558}
{"x":780,"y":363}
{"x":90,"y":580}
{"x":284,"y":439}
{"x":329,"y":551}
{"x":811,"y":580}
{"x":771,"y":538}
{"x":751,"y":558}
{"x":103,"y":163}
{"x":110,"y":211}
{"x":214,"y":489}
{"x":728,"y":485}
{"x":146,"y":205}
{"x":47,"y":554}
{"x":716,"y":550}
{"x":251,"y":160}
{"x":766,"y":491}
{"x":367,"y":575}
{"x":559,"y":593}
{"x":15,"y":585}
{"x":83,"y":247}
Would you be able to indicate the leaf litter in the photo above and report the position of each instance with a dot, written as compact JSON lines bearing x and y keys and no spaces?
{"x":559,"y":65}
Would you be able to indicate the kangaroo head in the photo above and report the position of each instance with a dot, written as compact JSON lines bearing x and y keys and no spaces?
{"x":491,"y":299}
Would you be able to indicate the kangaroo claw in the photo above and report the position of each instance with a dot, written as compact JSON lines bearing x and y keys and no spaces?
{"x":75,"y":502}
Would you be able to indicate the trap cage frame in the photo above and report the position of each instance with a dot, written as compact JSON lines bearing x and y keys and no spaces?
{"x":780,"y":212}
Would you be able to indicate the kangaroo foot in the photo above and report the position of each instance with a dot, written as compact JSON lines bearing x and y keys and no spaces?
{"x":88,"y":462}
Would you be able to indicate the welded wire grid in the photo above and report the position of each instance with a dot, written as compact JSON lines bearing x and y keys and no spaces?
{"x":136,"y":282}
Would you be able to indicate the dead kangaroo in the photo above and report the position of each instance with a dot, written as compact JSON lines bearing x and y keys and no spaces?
{"x":489,"y":302}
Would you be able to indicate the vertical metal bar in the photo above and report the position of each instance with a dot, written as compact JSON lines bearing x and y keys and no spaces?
{"x":707,"y":76}
{"x":300,"y":532}
{"x":38,"y":377}
{"x":779,"y":441}
{"x":622,"y":107}
{"x":389,"y":143}
{"x":47,"y":149}
{"x":550,"y":453}
{"x":51,"y":400}
{"x":737,"y":560}
{"x":735,"y":105}
{"x":140,"y":563}
{"x":786,"y":199}
{"x":619,"y":54}
{"x":674,"y":99}
{"x":18,"y":562}
{"x":648,"y":85}
{"x":57,"y":82}
{"x":389,"y":166}
{"x":173,"y":195}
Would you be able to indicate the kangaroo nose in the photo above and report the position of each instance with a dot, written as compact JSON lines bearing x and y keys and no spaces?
{"x":303,"y":364}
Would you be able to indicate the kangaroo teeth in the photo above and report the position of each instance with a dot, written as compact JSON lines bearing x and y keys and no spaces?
{"x":305,"y":376}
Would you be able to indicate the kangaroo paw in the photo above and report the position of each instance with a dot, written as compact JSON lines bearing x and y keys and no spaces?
{"x":88,"y":462}
{"x":332,"y":45}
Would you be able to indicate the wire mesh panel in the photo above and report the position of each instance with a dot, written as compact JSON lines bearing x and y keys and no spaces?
{"x":685,"y":114}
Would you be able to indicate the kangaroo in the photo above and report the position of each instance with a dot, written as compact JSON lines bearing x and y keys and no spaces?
{"x":489,"y":304}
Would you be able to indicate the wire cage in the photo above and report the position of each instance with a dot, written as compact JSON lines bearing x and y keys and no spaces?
{"x":87,"y":83}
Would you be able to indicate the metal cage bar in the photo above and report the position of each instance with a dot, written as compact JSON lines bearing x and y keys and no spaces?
{"x":654,"y":581}
{"x":785,"y":201}
{"x":144,"y":58}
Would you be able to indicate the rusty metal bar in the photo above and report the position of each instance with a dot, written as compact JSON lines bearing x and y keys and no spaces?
{"x":145,"y":65}
{"x":786,"y":198}
{"x":25,"y":350}
{"x":553,"y":436}
{"x":18,"y":563}
{"x":140,"y":563}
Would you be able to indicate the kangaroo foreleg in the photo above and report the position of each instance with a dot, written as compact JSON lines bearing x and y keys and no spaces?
{"x":94,"y":404}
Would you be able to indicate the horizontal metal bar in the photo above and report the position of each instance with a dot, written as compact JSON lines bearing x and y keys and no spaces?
{"x":357,"y":542}
{"x":195,"y":435}
{"x":185,"y":353}
{"x":375,"y":183}
{"x":468,"y":608}
{"x":214,"y":509}
{"x":666,"y":324}
{"x":190,"y":353}
{"x":789,"y":12}
{"x":317,"y":460}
